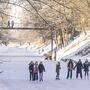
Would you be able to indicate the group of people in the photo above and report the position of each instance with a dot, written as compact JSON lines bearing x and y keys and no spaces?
{"x":10,"y":24}
{"x":36,"y":71}
{"x":79,"y":66}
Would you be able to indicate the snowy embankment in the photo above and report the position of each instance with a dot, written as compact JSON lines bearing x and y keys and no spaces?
{"x":75,"y":56}
{"x":69,"y":50}
{"x":76,"y":45}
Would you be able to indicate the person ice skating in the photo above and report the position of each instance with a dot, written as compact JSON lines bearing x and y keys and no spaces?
{"x":41,"y":70}
{"x":58,"y":67}
{"x":86,"y":68}
{"x":70,"y":67}
{"x":31,"y":66}
{"x":35,"y":71}
{"x":79,"y":67}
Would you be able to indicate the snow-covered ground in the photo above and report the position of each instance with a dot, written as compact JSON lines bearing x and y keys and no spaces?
{"x":15,"y":76}
{"x":16,"y":51}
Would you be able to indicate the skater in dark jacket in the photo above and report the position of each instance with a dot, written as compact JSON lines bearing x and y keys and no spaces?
{"x":86,"y":68}
{"x":79,"y":67}
{"x":58,"y":67}
{"x":70,"y":67}
{"x":31,"y":66}
{"x":41,"y":70}
{"x":35,"y":71}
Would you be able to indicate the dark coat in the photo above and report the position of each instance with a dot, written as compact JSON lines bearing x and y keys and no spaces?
{"x":86,"y":66}
{"x":41,"y":68}
{"x":79,"y":67}
{"x":58,"y":68}
{"x":31,"y":67}
{"x":70,"y":65}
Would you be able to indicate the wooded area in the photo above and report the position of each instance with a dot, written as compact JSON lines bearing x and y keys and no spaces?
{"x":64,"y":19}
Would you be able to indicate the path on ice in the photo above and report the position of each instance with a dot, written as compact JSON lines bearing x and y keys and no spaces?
{"x":16,"y":76}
